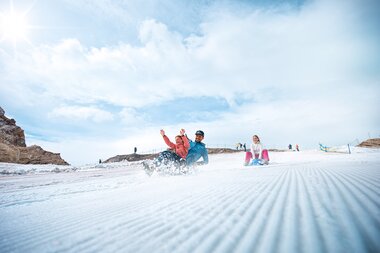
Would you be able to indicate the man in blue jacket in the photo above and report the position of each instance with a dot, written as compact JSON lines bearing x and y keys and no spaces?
{"x":197,"y":149}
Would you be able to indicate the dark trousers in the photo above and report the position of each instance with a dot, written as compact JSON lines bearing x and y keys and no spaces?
{"x":166,"y":158}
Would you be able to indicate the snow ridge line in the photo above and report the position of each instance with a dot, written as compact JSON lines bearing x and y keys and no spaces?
{"x":172,"y":239}
{"x":366,"y":192}
{"x":62,"y":227}
{"x":256,"y":214}
{"x":190,"y":220}
{"x":143,"y":228}
{"x":216,"y":226}
{"x":273,"y":204}
{"x":367,"y":228}
{"x":371,"y":184}
{"x":348,"y":224}
{"x":308,"y":208}
{"x":311,"y":235}
{"x":326,"y":215}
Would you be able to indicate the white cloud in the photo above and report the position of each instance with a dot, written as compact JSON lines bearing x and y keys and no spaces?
{"x":234,"y":55}
{"x":79,"y":113}
{"x":301,"y":72}
{"x":131,"y":116}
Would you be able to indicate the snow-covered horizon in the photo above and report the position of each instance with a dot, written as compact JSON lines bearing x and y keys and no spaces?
{"x":308,"y":201}
{"x":10,"y":168}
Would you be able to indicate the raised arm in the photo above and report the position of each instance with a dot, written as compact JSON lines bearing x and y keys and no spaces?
{"x":185,"y":140}
{"x":168,"y":142}
{"x":166,"y":139}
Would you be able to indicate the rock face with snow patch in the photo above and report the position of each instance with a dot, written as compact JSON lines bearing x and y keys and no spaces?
{"x":370,"y":143}
{"x":130,"y":158}
{"x":14,"y":150}
{"x":10,"y":133}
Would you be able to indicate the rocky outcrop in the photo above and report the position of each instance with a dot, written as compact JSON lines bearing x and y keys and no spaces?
{"x":14,"y":150}
{"x":10,"y":133}
{"x":370,"y":143}
{"x":221,"y":150}
{"x":130,"y":158}
{"x":29,"y":155}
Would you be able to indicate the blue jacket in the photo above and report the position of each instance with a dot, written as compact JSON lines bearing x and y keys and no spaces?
{"x":196,"y":151}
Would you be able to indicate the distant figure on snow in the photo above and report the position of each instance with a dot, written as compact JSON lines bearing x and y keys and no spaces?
{"x":290,"y":146}
{"x":297,"y":147}
{"x":258,"y":155}
{"x":245,"y":147}
{"x":135,"y":150}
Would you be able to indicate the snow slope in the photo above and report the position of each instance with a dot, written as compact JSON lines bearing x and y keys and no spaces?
{"x":302,"y":202}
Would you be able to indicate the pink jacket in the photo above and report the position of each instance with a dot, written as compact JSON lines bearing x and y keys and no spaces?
{"x":180,"y":150}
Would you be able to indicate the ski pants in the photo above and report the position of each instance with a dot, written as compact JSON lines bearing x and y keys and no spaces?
{"x":249,"y":156}
{"x":167,"y":157}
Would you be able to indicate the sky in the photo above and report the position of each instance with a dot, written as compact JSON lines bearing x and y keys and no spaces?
{"x":94,"y":79}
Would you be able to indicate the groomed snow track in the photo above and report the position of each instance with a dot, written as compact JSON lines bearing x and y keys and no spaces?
{"x":326,"y":206}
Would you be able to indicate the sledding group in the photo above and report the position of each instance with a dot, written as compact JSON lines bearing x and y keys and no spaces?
{"x":182,"y":154}
{"x":185,"y":153}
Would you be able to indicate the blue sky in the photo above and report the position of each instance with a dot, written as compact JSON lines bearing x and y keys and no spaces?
{"x":93,"y":79}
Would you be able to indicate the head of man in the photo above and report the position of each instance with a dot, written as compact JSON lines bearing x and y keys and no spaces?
{"x":199,"y":136}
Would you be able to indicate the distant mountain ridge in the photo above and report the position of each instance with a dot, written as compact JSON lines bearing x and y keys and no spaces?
{"x":370,"y":143}
{"x":13,"y":148}
{"x":139,"y":157}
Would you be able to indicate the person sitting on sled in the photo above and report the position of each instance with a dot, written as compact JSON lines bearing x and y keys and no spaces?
{"x":178,"y":150}
{"x":258,"y":155}
{"x":197,"y":150}
{"x":176,"y":154}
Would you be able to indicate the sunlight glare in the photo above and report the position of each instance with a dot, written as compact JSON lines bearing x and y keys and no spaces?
{"x":13,"y":26}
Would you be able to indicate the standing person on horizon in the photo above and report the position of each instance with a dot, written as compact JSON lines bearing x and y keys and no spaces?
{"x":197,"y":149}
{"x":258,"y":154}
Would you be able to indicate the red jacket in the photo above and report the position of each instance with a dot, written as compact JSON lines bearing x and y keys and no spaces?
{"x":181,"y":149}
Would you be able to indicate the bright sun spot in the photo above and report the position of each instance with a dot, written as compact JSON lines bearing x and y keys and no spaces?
{"x":13,"y":26}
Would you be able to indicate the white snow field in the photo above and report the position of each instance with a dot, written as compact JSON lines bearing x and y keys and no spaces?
{"x":306,"y":201}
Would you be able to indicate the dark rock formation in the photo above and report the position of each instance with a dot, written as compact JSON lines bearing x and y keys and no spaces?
{"x":221,"y":150}
{"x":370,"y":143}
{"x":10,"y":133}
{"x":13,"y":148}
{"x":130,"y":158}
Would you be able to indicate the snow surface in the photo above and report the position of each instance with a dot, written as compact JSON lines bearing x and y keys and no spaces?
{"x":307,"y":201}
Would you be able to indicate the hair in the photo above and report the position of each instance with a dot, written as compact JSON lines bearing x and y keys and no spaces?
{"x":179,"y":137}
{"x":257,"y":137}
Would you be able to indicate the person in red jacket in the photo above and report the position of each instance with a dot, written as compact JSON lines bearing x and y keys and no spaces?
{"x":174,"y":157}
{"x":181,"y":146}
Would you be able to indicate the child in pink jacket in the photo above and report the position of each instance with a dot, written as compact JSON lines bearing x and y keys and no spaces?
{"x":175,"y":157}
{"x":181,"y":146}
